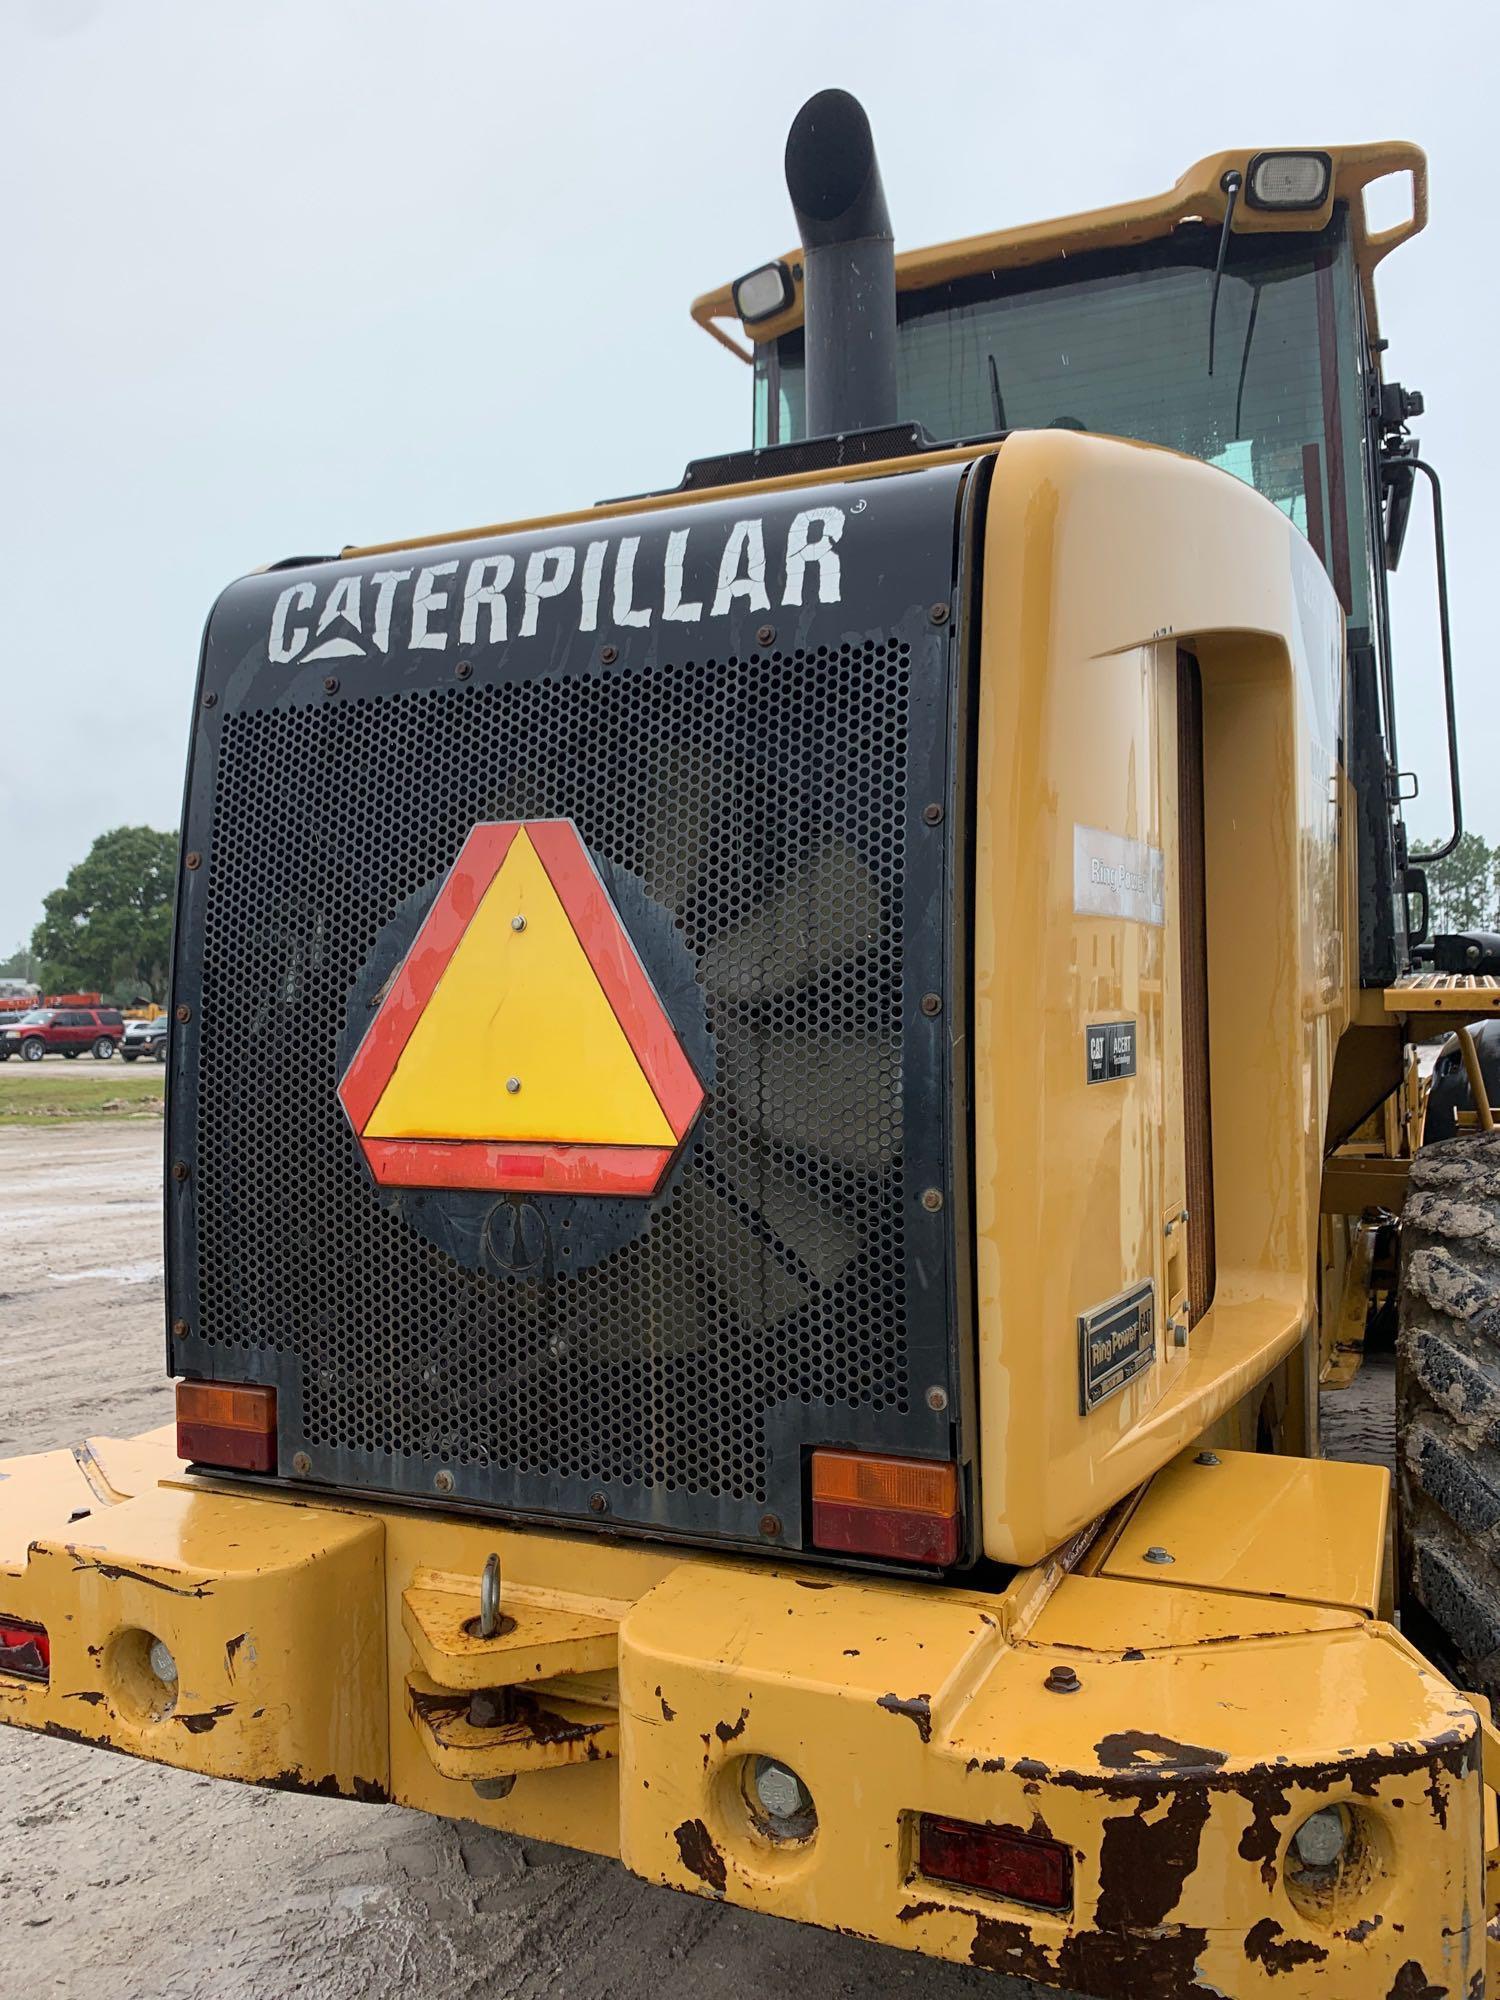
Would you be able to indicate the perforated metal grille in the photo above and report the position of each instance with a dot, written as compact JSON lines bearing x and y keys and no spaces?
{"x":762,"y":802}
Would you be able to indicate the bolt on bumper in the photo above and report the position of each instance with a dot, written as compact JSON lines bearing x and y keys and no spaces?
{"x":1172,"y":1740}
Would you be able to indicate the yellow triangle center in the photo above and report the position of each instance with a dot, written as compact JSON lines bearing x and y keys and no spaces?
{"x":518,"y":1041}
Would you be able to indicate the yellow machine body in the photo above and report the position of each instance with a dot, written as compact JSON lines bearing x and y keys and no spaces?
{"x":1181,"y":1646}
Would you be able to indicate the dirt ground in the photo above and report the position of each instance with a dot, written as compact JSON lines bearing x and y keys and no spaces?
{"x":126,"y":1878}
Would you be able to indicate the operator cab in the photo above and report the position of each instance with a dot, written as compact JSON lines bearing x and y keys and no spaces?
{"x":1232,"y":319}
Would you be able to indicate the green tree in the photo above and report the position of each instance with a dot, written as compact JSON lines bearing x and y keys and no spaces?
{"x":22,"y":964}
{"x":1463,"y":887}
{"x":108,"y":929}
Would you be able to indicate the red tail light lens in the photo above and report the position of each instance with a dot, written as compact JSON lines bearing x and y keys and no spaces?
{"x":227,"y":1423}
{"x":996,"y":1859}
{"x":25,"y":1650}
{"x":870,"y":1505}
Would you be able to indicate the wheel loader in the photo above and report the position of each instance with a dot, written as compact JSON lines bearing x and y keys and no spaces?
{"x":780,"y":1092}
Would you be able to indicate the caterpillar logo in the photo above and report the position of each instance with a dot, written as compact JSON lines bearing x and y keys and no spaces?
{"x":521,"y":1046}
{"x":683,"y":577}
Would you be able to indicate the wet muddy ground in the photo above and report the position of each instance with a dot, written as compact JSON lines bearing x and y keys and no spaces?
{"x":118,"y":1877}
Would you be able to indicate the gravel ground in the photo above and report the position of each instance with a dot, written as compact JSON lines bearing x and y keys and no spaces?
{"x":128,"y":1878}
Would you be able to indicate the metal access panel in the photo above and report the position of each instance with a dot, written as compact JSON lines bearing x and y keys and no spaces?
{"x":749,"y":710}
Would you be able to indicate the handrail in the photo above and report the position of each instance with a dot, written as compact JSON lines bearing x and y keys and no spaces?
{"x":1439,"y":542}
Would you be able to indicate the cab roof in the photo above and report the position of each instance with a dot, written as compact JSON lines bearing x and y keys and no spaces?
{"x":1198,"y":196}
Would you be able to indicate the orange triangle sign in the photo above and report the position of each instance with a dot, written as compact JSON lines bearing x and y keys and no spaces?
{"x":521,"y":1045}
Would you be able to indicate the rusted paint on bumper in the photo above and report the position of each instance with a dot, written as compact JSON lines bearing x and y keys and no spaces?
{"x":273,"y":1616}
{"x":1176,"y":1775}
{"x":1202,"y":1729}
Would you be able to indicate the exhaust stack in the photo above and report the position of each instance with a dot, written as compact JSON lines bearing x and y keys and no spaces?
{"x":849,"y":266}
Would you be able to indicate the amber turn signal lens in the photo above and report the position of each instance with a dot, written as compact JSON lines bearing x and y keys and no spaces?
{"x":230,"y":1424}
{"x":997,"y":1859}
{"x":905,"y":1508}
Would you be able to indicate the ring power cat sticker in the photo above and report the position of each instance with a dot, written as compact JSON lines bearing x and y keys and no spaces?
{"x":1116,"y":877}
{"x":521,"y":1045}
{"x":1115,"y":1343}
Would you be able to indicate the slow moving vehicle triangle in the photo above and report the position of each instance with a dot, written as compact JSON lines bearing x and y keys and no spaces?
{"x":518,"y":1040}
{"x":521,"y":1044}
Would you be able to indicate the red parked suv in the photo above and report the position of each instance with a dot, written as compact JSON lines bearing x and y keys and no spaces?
{"x":67,"y":1030}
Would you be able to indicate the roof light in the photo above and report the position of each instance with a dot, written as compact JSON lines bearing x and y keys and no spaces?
{"x":906,"y":1508}
{"x":1288,"y":180}
{"x":996,"y":1859}
{"x":228,"y":1424}
{"x":760,"y":294}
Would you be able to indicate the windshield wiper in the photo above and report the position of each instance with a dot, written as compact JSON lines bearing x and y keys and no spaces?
{"x":1239,"y":394}
{"x":997,"y":401}
{"x":1231,"y":184}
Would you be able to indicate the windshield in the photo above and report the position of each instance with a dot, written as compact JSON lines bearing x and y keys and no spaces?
{"x":37,"y":1018}
{"x":1117,"y":342}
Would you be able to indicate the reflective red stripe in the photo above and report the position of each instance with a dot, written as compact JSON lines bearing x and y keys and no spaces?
{"x":516,"y":1164}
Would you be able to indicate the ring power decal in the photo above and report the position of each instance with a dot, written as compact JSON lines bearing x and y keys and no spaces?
{"x":1116,"y":1342}
{"x":1117,"y":877}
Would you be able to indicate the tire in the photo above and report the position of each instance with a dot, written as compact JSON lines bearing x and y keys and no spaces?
{"x":127,"y":1055}
{"x":33,"y":1051}
{"x":72,"y":1054}
{"x":161,"y":1053}
{"x":1448,"y":1408}
{"x":104,"y":1048}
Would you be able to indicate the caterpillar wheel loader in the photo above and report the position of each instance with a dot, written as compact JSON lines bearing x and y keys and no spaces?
{"x":767,"y":1318}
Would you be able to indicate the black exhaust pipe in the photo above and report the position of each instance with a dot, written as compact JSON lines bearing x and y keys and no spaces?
{"x":849,"y":266}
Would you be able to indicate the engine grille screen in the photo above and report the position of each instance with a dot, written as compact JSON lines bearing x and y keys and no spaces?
{"x":754,"y":801}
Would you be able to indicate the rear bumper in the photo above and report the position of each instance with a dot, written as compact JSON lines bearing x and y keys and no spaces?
{"x":326,"y":1648}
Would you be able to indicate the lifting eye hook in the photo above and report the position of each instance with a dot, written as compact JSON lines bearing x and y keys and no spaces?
{"x":489,"y":1598}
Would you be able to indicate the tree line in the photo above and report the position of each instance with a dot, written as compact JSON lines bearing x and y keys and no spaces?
{"x":1464,"y":889}
{"x":108,"y":929}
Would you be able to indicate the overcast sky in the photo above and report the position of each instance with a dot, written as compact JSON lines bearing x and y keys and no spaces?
{"x":288,"y":274}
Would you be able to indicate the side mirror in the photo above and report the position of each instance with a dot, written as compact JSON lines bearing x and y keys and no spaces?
{"x":1398,"y":478}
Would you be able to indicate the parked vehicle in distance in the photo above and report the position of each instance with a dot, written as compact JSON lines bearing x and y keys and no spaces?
{"x":64,"y":1031}
{"x":145,"y":1038}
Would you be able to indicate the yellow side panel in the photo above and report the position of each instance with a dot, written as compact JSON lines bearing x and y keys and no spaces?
{"x":1303,"y":1528}
{"x":1101,"y":559}
{"x":523,"y":1007}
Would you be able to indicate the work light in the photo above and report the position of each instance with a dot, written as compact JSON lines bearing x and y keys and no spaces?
{"x":1288,"y":180}
{"x":761,"y":293}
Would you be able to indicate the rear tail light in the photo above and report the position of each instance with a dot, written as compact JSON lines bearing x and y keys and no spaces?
{"x":25,"y":1650}
{"x":996,"y":1859}
{"x":873,"y":1506}
{"x":228,"y":1424}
